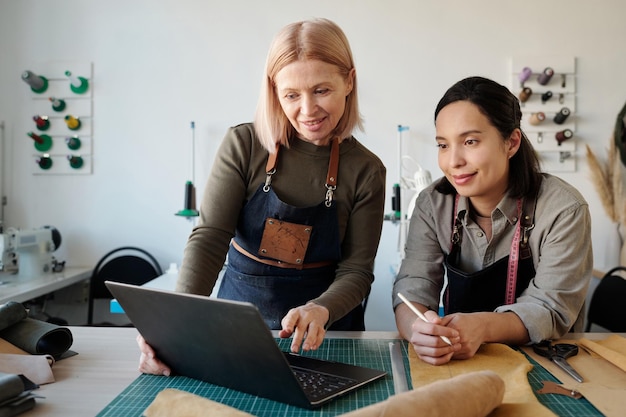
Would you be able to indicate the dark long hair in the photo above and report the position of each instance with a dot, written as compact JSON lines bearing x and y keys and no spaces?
{"x":502,"y":109}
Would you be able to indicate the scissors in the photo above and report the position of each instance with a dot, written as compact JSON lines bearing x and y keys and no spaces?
{"x":558,"y":353}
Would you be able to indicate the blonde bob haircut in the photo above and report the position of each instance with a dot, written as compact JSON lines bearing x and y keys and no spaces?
{"x":316,"y":39}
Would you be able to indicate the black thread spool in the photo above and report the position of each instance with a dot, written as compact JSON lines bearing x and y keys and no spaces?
{"x":563,"y":135}
{"x":561,"y":116}
{"x":190,"y":196}
{"x":44,"y":162}
{"x":525,"y":94}
{"x":545,"y":76}
{"x":546,"y":96}
{"x":395,"y":200}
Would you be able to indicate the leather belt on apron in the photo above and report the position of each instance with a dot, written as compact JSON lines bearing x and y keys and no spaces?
{"x":279,"y":264}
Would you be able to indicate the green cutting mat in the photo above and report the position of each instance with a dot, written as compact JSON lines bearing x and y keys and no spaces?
{"x":371,"y":353}
{"x":561,"y":405}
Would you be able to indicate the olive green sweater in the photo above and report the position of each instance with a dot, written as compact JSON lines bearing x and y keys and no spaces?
{"x":237,"y":172}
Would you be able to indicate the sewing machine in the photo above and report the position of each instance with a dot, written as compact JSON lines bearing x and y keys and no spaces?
{"x":29,"y":252}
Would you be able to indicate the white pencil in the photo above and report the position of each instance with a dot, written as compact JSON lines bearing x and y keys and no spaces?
{"x":420,"y":315}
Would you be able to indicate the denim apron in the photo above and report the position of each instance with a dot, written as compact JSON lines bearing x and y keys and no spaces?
{"x":498,"y":284}
{"x":274,"y":286}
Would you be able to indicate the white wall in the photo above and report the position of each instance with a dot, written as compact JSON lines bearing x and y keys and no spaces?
{"x":160,"y":64}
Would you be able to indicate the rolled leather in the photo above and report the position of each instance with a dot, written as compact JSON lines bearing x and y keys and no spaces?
{"x":39,"y":337}
{"x":11,"y":313}
{"x":475,"y":394}
{"x":33,"y":336}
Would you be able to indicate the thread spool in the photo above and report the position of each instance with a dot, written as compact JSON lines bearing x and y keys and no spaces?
{"x":537,"y":118}
{"x":190,"y":201}
{"x":525,"y":94}
{"x":545,"y":76}
{"x":73,"y":143}
{"x":41,"y":122}
{"x":57,"y":104}
{"x":76,"y":162}
{"x":395,"y":200}
{"x":563,"y":135}
{"x":561,"y":116}
{"x":43,"y":143}
{"x":72,"y":122}
{"x":564,"y":155}
{"x":190,"y":196}
{"x":78,"y":85}
{"x":38,"y":84}
{"x":44,"y":162}
{"x":546,"y":96}
{"x":524,"y":75}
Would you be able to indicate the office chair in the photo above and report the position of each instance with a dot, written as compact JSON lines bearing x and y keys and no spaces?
{"x":128,"y":264}
{"x":608,"y":307}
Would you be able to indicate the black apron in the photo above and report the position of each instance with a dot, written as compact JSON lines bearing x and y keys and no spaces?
{"x":498,"y":284}
{"x":275,"y":286}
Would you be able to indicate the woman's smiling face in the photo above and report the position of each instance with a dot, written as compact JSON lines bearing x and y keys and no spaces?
{"x":473,"y":155}
{"x":312,"y":95}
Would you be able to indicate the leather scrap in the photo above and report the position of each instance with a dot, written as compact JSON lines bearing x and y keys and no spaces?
{"x":551,"y":387}
{"x":512,"y":366}
{"x":176,"y":403}
{"x":613,"y":349}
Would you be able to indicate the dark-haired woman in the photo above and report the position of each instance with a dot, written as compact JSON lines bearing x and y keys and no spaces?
{"x":505,"y":248}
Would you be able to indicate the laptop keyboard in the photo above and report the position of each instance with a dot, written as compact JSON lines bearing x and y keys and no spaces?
{"x":318,"y":385}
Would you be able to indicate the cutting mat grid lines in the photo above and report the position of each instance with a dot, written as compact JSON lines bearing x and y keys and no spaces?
{"x":559,"y":404}
{"x":371,"y":353}
{"x":366,"y":352}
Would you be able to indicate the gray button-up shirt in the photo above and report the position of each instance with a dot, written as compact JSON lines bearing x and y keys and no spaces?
{"x":562,"y":255}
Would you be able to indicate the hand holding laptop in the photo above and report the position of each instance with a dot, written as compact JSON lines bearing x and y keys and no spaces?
{"x":148,"y":362}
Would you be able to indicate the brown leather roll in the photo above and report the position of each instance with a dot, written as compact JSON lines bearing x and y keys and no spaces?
{"x":475,"y":394}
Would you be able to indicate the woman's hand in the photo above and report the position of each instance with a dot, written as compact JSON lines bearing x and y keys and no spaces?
{"x":478,"y":328}
{"x":471,"y":326}
{"x":427,"y":342}
{"x":305,"y":323}
{"x":148,"y":362}
{"x":426,"y":336}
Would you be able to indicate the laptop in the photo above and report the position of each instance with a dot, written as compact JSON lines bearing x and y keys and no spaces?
{"x":227,"y":343}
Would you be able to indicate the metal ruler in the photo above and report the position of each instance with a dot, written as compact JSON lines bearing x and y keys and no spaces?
{"x":400,"y":383}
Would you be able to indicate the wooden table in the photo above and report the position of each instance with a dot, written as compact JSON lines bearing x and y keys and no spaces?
{"x":106,"y":363}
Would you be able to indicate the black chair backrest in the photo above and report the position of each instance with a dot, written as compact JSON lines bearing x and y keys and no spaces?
{"x":608,"y":303}
{"x":133,"y":266}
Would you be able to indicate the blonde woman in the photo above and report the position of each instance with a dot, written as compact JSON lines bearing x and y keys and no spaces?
{"x":293,"y":198}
